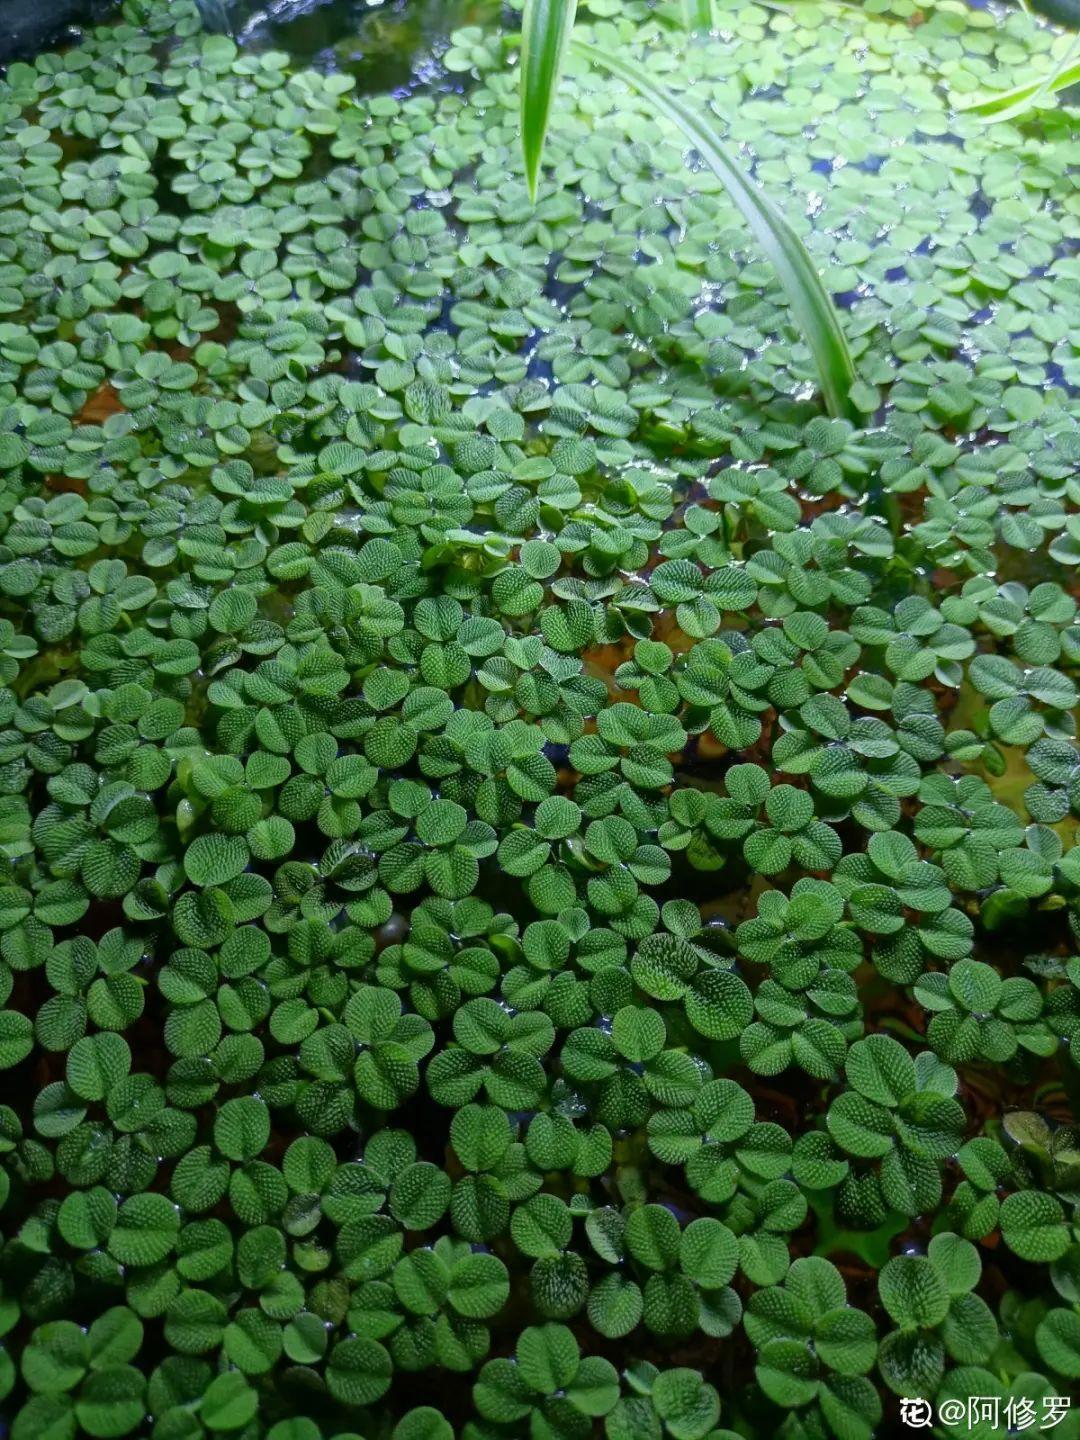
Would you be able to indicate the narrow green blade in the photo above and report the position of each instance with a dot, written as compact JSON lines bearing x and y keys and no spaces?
{"x":545,"y":34}
{"x":697,"y":14}
{"x":1010,"y":104}
{"x":814,"y":311}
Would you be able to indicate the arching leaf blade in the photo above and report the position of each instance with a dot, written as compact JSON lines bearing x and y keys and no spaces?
{"x":697,"y":15}
{"x":814,"y":311}
{"x":1011,"y":104}
{"x":545,"y":31}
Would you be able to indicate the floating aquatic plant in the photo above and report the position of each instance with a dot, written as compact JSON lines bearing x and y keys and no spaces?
{"x":1020,"y":99}
{"x":539,"y":886}
{"x":547,"y":27}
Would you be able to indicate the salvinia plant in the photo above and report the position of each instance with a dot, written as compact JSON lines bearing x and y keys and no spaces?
{"x":547,"y":38}
{"x":521,"y":840}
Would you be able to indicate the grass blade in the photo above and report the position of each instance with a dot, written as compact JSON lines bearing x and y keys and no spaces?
{"x":545,"y":34}
{"x":814,"y":311}
{"x":697,"y":15}
{"x":1010,"y":104}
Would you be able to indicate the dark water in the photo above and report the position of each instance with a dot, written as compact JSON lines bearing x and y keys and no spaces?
{"x":385,"y":46}
{"x":27,"y":27}
{"x":388,"y":47}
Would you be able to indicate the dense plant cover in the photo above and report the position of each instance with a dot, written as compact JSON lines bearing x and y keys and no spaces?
{"x":540,"y":891}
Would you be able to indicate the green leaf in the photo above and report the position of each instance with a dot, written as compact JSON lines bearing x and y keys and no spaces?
{"x":1013,"y":103}
{"x":242,"y":1127}
{"x":698,"y":15}
{"x":546,"y":26}
{"x":1058,"y":1339}
{"x":687,"y":1405}
{"x":16,"y":1038}
{"x":913,"y":1292}
{"x":358,"y":1371}
{"x":215,"y":859}
{"x":1033,"y":1225}
{"x":145,"y":1230}
{"x":548,"y":1357}
{"x":228,"y":1403}
{"x":813,"y":310}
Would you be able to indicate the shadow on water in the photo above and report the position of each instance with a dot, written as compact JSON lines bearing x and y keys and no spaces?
{"x":27,"y":27}
{"x":387,"y":47}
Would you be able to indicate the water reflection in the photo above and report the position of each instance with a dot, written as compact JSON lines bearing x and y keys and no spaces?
{"x":29,"y":26}
{"x":384,"y":45}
